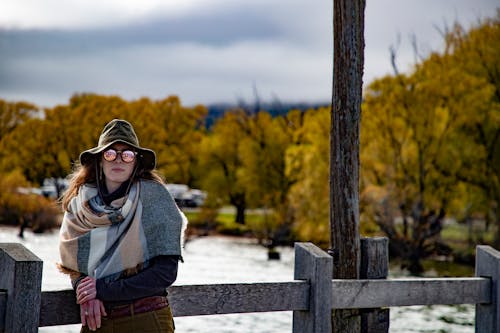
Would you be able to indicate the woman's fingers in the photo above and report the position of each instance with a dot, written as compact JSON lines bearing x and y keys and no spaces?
{"x":85,"y":296}
{"x":91,"y":314}
{"x":103,"y":309}
{"x":84,"y":282}
{"x":91,"y":317}
{"x":83,"y":313}
{"x":86,"y":290}
{"x":97,"y":313}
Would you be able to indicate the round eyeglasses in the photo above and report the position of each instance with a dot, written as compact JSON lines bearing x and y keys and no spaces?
{"x":127,"y":156}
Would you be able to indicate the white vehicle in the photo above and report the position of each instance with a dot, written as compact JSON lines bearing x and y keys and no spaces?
{"x":186,"y":197}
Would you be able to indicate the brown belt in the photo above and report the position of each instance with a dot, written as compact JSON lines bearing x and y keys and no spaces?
{"x":140,"y":306}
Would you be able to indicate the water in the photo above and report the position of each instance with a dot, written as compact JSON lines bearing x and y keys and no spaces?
{"x":236,"y":260}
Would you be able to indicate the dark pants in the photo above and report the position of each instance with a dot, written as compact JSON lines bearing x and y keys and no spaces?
{"x":148,"y":322}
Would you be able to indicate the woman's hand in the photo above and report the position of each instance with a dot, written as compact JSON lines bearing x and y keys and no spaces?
{"x":91,"y":313}
{"x":86,"y":290}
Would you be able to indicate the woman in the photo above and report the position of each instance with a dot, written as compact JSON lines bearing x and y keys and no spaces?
{"x":121,"y":236}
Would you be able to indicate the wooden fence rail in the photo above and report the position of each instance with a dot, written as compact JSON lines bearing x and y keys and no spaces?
{"x":312,"y":295}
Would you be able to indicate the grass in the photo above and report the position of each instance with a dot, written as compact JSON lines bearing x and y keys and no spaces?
{"x":225,"y":223}
{"x":456,"y":235}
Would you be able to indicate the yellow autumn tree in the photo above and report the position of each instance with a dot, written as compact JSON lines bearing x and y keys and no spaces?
{"x":13,"y":114}
{"x":175,"y":132}
{"x":475,"y":54}
{"x":411,"y":151}
{"x":307,"y":166}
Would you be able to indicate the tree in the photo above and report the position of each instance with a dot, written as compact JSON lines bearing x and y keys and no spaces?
{"x":177,"y":134}
{"x":475,"y":55}
{"x":307,"y":167}
{"x":221,"y":161}
{"x":51,"y":150}
{"x":262,"y":150}
{"x":412,"y":151}
{"x":13,"y":114}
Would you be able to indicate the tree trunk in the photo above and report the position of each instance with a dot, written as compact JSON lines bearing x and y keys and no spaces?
{"x":348,"y":38}
{"x":240,"y":214}
{"x":239,"y":202}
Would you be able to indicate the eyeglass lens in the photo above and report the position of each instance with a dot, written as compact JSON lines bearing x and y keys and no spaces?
{"x":127,"y":156}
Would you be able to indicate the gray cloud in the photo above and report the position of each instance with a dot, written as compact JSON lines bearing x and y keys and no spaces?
{"x":215,"y":53}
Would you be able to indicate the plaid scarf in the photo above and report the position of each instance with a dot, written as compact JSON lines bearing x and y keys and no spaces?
{"x":103,"y":241}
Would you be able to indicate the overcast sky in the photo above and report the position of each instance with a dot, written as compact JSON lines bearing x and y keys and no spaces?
{"x":204,"y":51}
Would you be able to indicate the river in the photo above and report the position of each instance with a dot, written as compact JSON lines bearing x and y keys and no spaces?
{"x":218,"y":259}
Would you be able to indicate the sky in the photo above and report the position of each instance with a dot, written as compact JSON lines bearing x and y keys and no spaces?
{"x":205,"y":51}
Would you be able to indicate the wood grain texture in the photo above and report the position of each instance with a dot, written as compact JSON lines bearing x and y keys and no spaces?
{"x":59,"y":308}
{"x":24,"y":308}
{"x":375,"y":265}
{"x":488,"y":266}
{"x":238,"y":298}
{"x":3,"y":307}
{"x":402,"y":292}
{"x":315,"y":266}
{"x":348,"y":63}
{"x":21,"y":278}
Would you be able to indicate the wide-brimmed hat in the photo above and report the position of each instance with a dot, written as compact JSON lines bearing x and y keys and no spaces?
{"x":120,"y":131}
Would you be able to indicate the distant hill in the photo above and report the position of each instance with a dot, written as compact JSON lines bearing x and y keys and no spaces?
{"x":218,"y":110}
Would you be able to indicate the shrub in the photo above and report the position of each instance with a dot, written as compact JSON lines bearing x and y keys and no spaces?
{"x":18,"y":206}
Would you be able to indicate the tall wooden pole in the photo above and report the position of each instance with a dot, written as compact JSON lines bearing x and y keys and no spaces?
{"x":348,"y":61}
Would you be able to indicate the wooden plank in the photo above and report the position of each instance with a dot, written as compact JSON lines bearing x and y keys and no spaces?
{"x":347,"y":95}
{"x":374,"y":265}
{"x":488,"y":266}
{"x":59,"y":307}
{"x":195,"y":300}
{"x":21,"y":278}
{"x":403,"y":292}
{"x":315,"y":266}
{"x":3,"y":306}
{"x":374,"y":258}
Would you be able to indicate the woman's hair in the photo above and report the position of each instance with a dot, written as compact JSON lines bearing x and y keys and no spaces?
{"x":86,"y":174}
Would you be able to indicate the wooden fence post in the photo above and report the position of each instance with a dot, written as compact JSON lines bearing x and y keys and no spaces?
{"x":374,"y":265}
{"x":314,"y":265}
{"x":21,"y":279}
{"x":488,"y":265}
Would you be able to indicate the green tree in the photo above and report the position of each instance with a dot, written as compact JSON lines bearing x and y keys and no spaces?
{"x":263,"y":146}
{"x":220,"y":159}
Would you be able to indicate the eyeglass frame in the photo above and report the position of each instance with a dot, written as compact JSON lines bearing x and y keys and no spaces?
{"x":119,"y":152}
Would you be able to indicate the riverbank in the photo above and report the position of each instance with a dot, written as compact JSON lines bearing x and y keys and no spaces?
{"x":459,"y":264}
{"x":221,"y":222}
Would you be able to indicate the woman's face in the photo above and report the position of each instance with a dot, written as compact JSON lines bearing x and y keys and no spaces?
{"x":116,"y":172}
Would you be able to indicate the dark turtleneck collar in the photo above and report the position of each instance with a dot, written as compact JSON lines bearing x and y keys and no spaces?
{"x":120,"y":192}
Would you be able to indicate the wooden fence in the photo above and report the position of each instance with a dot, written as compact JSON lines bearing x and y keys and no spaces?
{"x":311,"y":296}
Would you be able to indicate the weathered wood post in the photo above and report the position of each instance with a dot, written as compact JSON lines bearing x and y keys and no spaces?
{"x":488,"y":265}
{"x":21,"y":278}
{"x":348,"y":62}
{"x":314,"y":265}
{"x":374,"y":265}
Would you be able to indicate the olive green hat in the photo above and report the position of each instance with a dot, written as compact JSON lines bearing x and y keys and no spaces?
{"x":120,"y":131}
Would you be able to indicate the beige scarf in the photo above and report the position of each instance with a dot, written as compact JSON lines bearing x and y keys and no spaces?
{"x":105,"y":241}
